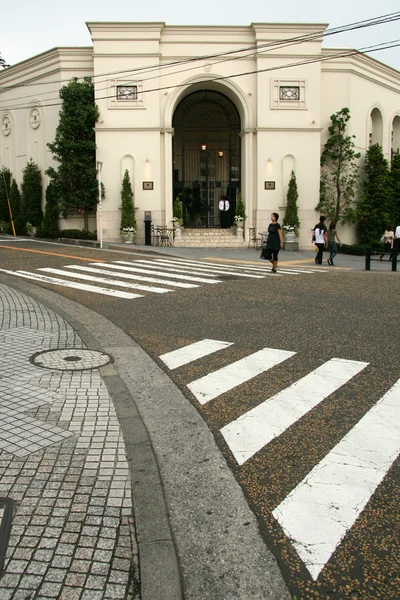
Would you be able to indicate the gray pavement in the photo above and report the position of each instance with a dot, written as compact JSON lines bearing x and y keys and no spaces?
{"x":119,"y":488}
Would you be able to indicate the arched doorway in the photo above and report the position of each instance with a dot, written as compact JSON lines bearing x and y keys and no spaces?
{"x":206,"y":157}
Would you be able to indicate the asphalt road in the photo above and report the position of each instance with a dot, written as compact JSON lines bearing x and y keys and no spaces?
{"x":338,"y":314}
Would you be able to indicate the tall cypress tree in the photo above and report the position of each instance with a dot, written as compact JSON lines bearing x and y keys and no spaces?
{"x":395,"y":180}
{"x":17,"y":210}
{"x":32,"y":193}
{"x":50,"y":225}
{"x":291,"y":217}
{"x":376,"y":198}
{"x":128,"y":218}
{"x":339,"y":172}
{"x":74,"y":148}
{"x":5,"y":184}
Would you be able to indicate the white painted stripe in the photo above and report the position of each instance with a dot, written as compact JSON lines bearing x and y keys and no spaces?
{"x":73,"y":284}
{"x":214,"y":384}
{"x":260,"y":425}
{"x":260,"y":269}
{"x":172,"y":266}
{"x":86,"y":277}
{"x":192,"y":352}
{"x":211,"y":266}
{"x":119,"y":265}
{"x":319,"y":512}
{"x":132,"y":277}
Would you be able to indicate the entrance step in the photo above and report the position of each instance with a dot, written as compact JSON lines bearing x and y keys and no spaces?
{"x":213,"y":238}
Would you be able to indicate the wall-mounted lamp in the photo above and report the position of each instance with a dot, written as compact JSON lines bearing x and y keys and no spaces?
{"x":220,"y":152}
{"x":147,"y":160}
{"x":204,"y":146}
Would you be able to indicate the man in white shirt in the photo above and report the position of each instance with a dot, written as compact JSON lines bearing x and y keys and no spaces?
{"x":224,"y":212}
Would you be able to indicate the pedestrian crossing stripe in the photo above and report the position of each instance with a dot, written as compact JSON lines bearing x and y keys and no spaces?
{"x":260,"y":269}
{"x":72,"y":284}
{"x":214,"y":384}
{"x":166,"y":274}
{"x":333,"y":495}
{"x":174,"y":266}
{"x":259,"y":426}
{"x":319,"y":512}
{"x":124,"y":275}
{"x":188,"y":354}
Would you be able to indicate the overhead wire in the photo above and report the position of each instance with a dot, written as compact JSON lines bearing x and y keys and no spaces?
{"x":269,"y":45}
{"x":265,"y":48}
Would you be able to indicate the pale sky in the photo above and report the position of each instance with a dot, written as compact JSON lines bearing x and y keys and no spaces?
{"x":29,"y":28}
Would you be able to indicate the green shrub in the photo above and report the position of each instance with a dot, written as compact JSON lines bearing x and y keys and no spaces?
{"x":77,"y":234}
{"x":354,"y":249}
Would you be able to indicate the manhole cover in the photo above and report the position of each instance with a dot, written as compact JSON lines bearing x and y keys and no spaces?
{"x":71,"y":359}
{"x":6,"y":506}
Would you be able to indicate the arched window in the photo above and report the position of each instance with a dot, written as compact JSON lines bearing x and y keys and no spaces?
{"x":375,"y":128}
{"x":395,"y":136}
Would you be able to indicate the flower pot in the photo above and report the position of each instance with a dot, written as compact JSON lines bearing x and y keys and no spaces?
{"x":239,"y":232}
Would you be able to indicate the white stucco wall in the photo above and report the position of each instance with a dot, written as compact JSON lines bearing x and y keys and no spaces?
{"x":276,"y":136}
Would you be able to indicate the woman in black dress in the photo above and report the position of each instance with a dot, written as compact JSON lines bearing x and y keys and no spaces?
{"x":274,"y":242}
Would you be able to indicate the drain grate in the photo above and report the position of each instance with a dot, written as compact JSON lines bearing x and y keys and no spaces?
{"x":71,"y":359}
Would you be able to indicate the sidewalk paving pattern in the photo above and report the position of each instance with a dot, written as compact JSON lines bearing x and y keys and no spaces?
{"x":62,"y":460}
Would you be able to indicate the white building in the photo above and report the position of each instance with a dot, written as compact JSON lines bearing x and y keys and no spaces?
{"x":203,"y":111}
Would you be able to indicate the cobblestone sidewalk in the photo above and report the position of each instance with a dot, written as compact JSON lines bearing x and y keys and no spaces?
{"x":63,"y":463}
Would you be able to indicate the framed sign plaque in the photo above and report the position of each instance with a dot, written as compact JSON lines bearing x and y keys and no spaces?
{"x":148,"y":185}
{"x":269,"y":185}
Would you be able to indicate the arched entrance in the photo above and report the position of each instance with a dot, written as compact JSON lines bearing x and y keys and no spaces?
{"x":206,"y":157}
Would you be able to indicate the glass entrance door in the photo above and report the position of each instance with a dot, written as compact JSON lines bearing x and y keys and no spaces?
{"x":206,"y":157}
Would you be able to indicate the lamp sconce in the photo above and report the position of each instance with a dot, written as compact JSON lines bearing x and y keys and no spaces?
{"x":204,"y":146}
{"x":220,"y":153}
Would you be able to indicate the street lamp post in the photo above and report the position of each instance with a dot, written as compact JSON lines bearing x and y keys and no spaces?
{"x":99,"y":166}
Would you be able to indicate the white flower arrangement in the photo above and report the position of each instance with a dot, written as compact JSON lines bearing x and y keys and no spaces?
{"x":175,"y":219}
{"x":238,"y":219}
{"x":131,"y":230}
{"x":289,"y":228}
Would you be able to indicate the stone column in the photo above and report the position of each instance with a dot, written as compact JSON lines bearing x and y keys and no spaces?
{"x":168,"y":165}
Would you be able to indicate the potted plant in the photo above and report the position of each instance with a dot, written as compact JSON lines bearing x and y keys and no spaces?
{"x":240,"y":216}
{"x":128,"y":220}
{"x":291,"y":223}
{"x":177,"y":219}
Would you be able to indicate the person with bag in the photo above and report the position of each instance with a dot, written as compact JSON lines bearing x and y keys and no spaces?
{"x":224,"y":212}
{"x":274,"y":242}
{"x":332,"y":236}
{"x":387,"y":240}
{"x":320,"y":239}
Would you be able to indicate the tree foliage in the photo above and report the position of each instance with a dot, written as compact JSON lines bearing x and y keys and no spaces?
{"x":75,"y":149}
{"x":339,"y":172}
{"x":5,"y":184}
{"x":17,"y":209}
{"x":128,"y":218}
{"x":3,"y":64}
{"x":32,"y":193}
{"x":395,"y":181}
{"x":376,"y":198}
{"x":50,"y":224}
{"x":291,"y":213}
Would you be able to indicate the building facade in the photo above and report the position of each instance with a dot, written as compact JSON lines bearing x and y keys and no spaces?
{"x":202,"y":113}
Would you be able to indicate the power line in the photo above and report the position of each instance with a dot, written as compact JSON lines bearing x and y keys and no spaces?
{"x":391,"y":17}
{"x":344,"y":54}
